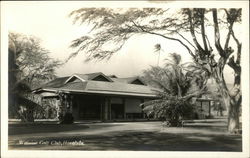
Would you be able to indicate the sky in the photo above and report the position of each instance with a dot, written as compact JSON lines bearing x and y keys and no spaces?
{"x":49,"y":21}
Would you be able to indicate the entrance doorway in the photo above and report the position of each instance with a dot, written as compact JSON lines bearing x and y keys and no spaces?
{"x":89,"y":107}
{"x":90,"y":112}
{"x":117,"y":111}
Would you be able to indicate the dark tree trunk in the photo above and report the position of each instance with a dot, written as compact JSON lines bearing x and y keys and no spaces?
{"x":232,"y":98}
{"x":234,"y":107}
{"x":233,"y":117}
{"x":232,"y":101}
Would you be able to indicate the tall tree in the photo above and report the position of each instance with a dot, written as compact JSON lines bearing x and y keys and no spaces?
{"x":29,"y":66}
{"x":116,"y":26}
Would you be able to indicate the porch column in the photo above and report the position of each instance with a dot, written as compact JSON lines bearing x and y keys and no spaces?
{"x":101,"y":113}
{"x":124,"y":108}
{"x":106,"y":109}
{"x":201,"y":106}
{"x":57,"y":108}
{"x":201,"y":110}
{"x":209,"y":108}
{"x":143,"y":114}
{"x":61,"y":106}
{"x":65,"y":107}
{"x":109,"y":109}
{"x":70,"y":102}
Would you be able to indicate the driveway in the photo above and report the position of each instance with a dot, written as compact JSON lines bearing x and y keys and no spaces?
{"x":135,"y":136}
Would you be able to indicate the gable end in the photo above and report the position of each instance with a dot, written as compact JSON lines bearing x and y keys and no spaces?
{"x":100,"y":78}
{"x":74,"y":78}
{"x":138,"y":82}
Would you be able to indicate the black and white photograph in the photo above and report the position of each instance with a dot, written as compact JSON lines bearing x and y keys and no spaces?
{"x":125,"y":79}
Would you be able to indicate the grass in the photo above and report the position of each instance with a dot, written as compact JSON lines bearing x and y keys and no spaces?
{"x":135,"y":136}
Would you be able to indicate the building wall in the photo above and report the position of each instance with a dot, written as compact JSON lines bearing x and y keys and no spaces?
{"x":109,"y":107}
{"x":132,"y":106}
{"x":116,"y":100}
{"x":75,"y":111}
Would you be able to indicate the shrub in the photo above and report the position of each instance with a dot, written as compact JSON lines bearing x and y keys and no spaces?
{"x":67,"y":119}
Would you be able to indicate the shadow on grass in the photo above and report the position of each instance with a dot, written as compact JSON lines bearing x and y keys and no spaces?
{"x":146,"y":141}
{"x":152,"y":137}
{"x":141,"y":141}
{"x":208,"y":128}
{"x":16,"y":129}
{"x":19,"y":129}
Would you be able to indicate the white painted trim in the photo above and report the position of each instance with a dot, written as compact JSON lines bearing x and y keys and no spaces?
{"x":76,"y":77}
{"x":49,"y":90}
{"x":44,"y":89}
{"x":107,"y":92}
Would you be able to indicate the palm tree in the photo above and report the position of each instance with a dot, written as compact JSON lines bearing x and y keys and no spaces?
{"x":158,"y":50}
{"x":175,"y":100}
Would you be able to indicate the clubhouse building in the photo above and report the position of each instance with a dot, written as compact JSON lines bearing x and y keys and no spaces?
{"x":96,"y":96}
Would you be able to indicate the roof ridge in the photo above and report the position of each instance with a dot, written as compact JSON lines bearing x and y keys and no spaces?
{"x":124,"y":83}
{"x":130,"y":77}
{"x":91,"y":73}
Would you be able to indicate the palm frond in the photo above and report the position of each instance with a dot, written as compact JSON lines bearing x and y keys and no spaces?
{"x":26,"y":102}
{"x":21,"y":87}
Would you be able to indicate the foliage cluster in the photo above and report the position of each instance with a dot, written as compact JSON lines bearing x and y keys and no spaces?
{"x":29,"y":66}
{"x":179,"y":85}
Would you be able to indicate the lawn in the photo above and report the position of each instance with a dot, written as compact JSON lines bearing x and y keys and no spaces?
{"x":207,"y":135}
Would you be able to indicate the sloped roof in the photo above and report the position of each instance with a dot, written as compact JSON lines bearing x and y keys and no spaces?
{"x":58,"y":82}
{"x":112,"y":76}
{"x":98,"y":87}
{"x":124,"y":80}
{"x":91,"y":76}
{"x":127,"y":80}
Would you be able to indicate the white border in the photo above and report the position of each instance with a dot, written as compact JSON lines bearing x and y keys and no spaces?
{"x":175,"y":4}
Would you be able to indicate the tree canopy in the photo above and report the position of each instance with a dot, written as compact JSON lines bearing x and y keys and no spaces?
{"x":190,"y":27}
{"x":33,"y":61}
{"x":29,"y":66}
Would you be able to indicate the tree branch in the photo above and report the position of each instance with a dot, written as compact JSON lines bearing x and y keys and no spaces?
{"x":166,"y":37}
{"x":233,"y":65}
{"x":217,"y":34}
{"x":210,"y":47}
{"x":203,"y":30}
{"x":239,"y":45}
{"x":228,"y":37}
{"x":186,"y":40}
{"x":193,"y":32}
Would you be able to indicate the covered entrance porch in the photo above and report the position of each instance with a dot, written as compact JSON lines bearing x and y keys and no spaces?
{"x":100,"y":107}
